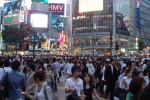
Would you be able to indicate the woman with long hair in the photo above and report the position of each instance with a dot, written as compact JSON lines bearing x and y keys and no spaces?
{"x":89,"y":87}
{"x":135,"y":88}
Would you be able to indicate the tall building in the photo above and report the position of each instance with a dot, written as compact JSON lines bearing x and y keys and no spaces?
{"x":91,"y":27}
{"x":144,"y":33}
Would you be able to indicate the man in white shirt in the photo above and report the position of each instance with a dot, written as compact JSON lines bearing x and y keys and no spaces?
{"x":69,"y":67}
{"x":90,"y":67}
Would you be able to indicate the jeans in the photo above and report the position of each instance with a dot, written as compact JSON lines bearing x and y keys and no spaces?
{"x":50,"y":84}
{"x":55,"y":84}
{"x":102,"y":83}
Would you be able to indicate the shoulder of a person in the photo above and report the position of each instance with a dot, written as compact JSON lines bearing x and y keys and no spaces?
{"x":80,"y":80}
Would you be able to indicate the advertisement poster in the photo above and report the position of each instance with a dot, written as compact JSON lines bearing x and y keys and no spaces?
{"x":56,"y":8}
{"x":119,"y":20}
{"x":13,"y":7}
{"x":58,"y":23}
{"x":39,"y":37}
{"x":123,"y":7}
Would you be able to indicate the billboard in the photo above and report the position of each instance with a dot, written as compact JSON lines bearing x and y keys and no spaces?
{"x":90,"y":5}
{"x":12,"y":7}
{"x":40,"y":1}
{"x":57,"y":8}
{"x":58,"y":23}
{"x":138,"y":22}
{"x":123,"y":7}
{"x":119,"y":20}
{"x":39,"y":37}
{"x":11,"y":20}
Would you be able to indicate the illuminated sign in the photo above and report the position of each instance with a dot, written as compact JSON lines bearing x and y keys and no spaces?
{"x":11,"y":20}
{"x":56,"y":9}
{"x":39,"y":0}
{"x":90,"y":5}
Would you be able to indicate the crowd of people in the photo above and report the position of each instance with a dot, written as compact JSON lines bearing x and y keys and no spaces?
{"x":28,"y":78}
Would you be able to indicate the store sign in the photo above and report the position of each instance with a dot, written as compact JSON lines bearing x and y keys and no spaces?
{"x":56,"y":9}
{"x":11,"y":20}
{"x":22,"y":14}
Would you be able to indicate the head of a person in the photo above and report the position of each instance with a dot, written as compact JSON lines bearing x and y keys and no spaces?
{"x":90,"y":61}
{"x":24,"y":62}
{"x":124,"y":69}
{"x":6,"y":63}
{"x":140,"y":74}
{"x":148,"y":73}
{"x":136,"y":86}
{"x":70,"y":60}
{"x":1,"y":64}
{"x":41,"y":64}
{"x":129,"y":73}
{"x":48,"y":67}
{"x":138,"y":64}
{"x":146,"y":61}
{"x":38,"y":77}
{"x":145,"y":95}
{"x":87,"y":78}
{"x":76,"y":71}
{"x":106,"y":63}
{"x":30,"y":67}
{"x":54,"y":60}
{"x":113,"y":62}
{"x":15,"y":65}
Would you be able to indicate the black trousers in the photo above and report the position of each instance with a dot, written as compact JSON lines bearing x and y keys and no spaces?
{"x":55,"y":84}
{"x":110,"y":89}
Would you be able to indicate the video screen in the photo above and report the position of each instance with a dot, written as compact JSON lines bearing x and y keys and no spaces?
{"x":39,"y":20}
{"x":58,"y":23}
{"x":39,"y":37}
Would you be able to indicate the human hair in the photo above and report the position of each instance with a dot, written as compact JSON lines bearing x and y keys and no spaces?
{"x":90,"y":81}
{"x":6,"y":63}
{"x":15,"y":65}
{"x":148,"y":73}
{"x":75,"y":68}
{"x":1,"y":64}
{"x":128,"y":71}
{"x":48,"y":66}
{"x":145,"y":95}
{"x":54,"y":60}
{"x":135,"y":86}
{"x":70,"y":60}
{"x":38,"y":75}
{"x":31,"y":65}
{"x":41,"y":64}
{"x":138,"y":73}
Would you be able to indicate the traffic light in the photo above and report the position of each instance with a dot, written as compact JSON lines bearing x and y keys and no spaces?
{"x":39,"y":45}
{"x":123,"y":29}
{"x":117,"y":47}
{"x":27,"y":46}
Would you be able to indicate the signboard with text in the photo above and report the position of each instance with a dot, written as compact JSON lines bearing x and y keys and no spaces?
{"x":11,"y":20}
{"x":56,"y":8}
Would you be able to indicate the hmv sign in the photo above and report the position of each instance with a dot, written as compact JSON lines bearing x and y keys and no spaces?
{"x":57,"y":8}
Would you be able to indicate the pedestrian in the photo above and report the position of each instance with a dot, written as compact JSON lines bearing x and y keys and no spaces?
{"x":89,"y":87}
{"x":42,"y":90}
{"x":16,"y":81}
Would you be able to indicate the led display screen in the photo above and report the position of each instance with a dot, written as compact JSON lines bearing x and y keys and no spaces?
{"x":90,"y":5}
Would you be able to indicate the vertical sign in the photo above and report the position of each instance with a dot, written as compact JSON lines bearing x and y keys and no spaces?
{"x":138,"y":14}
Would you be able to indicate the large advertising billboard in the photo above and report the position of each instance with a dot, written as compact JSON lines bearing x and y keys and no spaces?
{"x":57,"y":8}
{"x":90,"y":5}
{"x":39,"y":37}
{"x":58,"y":23}
{"x":13,"y":7}
{"x":123,"y":7}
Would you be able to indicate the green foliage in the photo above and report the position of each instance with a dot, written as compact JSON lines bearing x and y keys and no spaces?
{"x":140,"y":45}
{"x":13,"y":35}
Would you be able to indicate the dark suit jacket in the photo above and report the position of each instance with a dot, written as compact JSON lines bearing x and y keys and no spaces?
{"x":109,"y":77}
{"x":84,"y":70}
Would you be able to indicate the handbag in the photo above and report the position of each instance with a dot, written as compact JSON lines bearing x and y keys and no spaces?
{"x":73,"y":96}
{"x":122,"y":96}
{"x":6,"y":86}
{"x":117,"y":91}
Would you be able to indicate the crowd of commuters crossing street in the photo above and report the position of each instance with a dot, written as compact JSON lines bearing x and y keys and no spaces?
{"x":74,"y":78}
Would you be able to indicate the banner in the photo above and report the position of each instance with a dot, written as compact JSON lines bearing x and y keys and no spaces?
{"x":13,"y":7}
{"x":123,"y":7}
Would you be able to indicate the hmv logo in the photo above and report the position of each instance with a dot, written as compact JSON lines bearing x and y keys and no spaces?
{"x":56,"y":9}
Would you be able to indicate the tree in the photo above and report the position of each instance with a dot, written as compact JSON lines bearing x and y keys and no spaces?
{"x":14,"y":35}
{"x":140,"y":45}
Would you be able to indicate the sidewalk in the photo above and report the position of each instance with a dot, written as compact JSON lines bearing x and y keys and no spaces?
{"x":61,"y":95}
